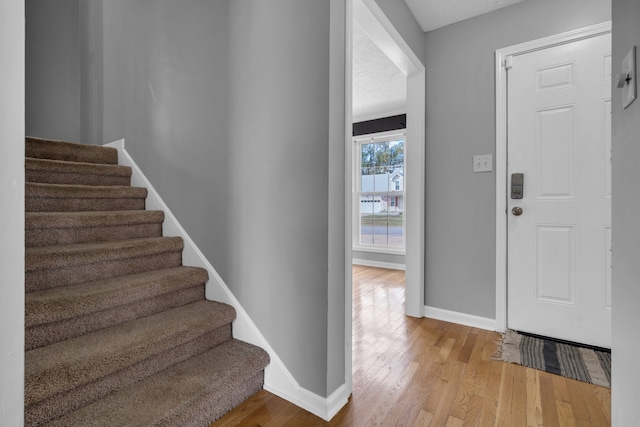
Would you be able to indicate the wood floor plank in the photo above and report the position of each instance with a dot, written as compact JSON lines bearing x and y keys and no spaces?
{"x":426,"y":372}
{"x":578,"y":402}
{"x":454,"y":422}
{"x":409,"y":407}
{"x":519,"y":389}
{"x":548,"y":400}
{"x":534,"y":399}
{"x":598,"y":416}
{"x":441,"y":415}
{"x":467,"y":349}
{"x":604,"y":399}
{"x":492,"y":403}
{"x":243,"y":413}
{"x":423,"y":420}
{"x":560,"y":388}
{"x":566,"y":415}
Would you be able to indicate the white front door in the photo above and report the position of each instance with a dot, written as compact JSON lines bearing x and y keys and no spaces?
{"x":559,"y":139}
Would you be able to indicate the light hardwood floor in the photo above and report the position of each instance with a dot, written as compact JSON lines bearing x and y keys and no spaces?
{"x":425,"y":372}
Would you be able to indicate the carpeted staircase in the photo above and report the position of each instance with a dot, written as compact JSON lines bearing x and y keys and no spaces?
{"x":118,"y":331}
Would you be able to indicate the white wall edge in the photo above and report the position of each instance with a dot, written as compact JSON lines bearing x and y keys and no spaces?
{"x":349,"y":200}
{"x":12,"y":189}
{"x":460,"y":318}
{"x":379,"y":264}
{"x":501,"y":149}
{"x":278,"y":380}
{"x":415,"y":204}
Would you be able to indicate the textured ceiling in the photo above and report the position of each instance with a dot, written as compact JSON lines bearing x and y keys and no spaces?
{"x":432,"y":14}
{"x":379,"y":87}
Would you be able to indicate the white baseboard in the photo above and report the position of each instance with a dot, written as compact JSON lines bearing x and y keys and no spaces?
{"x":278,"y":380}
{"x":379,"y":264}
{"x":460,"y":318}
{"x":323,"y":407}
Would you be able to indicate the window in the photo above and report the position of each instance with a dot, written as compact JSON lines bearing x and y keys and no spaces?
{"x":379,"y":193}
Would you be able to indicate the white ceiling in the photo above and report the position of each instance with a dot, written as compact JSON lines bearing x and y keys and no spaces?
{"x":379,"y":87}
{"x":432,"y":14}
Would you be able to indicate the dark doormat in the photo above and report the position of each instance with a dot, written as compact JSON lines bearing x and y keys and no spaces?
{"x":588,"y":364}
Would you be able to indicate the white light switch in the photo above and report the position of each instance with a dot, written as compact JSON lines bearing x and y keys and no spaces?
{"x":483,"y":163}
{"x":627,"y":78}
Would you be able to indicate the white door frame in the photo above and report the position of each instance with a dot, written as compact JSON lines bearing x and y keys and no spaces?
{"x":501,"y":149}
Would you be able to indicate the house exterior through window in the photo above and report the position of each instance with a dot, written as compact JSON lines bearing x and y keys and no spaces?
{"x":379,"y":192}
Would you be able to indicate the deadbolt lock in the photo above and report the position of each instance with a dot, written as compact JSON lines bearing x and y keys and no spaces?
{"x":517,"y":185}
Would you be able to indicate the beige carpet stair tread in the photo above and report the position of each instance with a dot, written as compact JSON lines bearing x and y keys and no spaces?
{"x":82,"y":173}
{"x":173,"y":397}
{"x":49,"y":267}
{"x":64,"y":191}
{"x":44,"y":220}
{"x":64,"y":256}
{"x":69,"y":364}
{"x":51,"y":333}
{"x":63,"y":228}
{"x":73,"y":198}
{"x":66,"y":302}
{"x":69,"y":151}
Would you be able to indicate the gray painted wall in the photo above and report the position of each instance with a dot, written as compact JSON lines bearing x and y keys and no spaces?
{"x":626,"y":228}
{"x":278,"y":159}
{"x":12,"y":74}
{"x":53,"y":69}
{"x":225,"y":106}
{"x":460,"y":115}
{"x":165,"y":80}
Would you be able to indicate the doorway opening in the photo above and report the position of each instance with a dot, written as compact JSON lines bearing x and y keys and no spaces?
{"x":378,"y":27}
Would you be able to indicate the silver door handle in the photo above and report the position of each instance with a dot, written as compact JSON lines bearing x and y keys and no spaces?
{"x":517,"y":211}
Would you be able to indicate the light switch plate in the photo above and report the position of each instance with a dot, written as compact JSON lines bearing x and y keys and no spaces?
{"x":629,"y":69}
{"x":483,"y":163}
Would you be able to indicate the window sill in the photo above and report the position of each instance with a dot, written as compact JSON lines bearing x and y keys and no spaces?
{"x":386,"y":251}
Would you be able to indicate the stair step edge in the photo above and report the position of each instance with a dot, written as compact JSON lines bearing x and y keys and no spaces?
{"x":64,"y":256}
{"x":51,"y":333}
{"x":36,"y":147}
{"x":90,"y":219}
{"x":170,"y":397}
{"x":58,"y":304}
{"x":67,"y":191}
{"x":69,"y":364}
{"x":84,"y":168}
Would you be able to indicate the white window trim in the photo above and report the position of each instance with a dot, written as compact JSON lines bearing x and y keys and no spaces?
{"x":357,"y":140}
